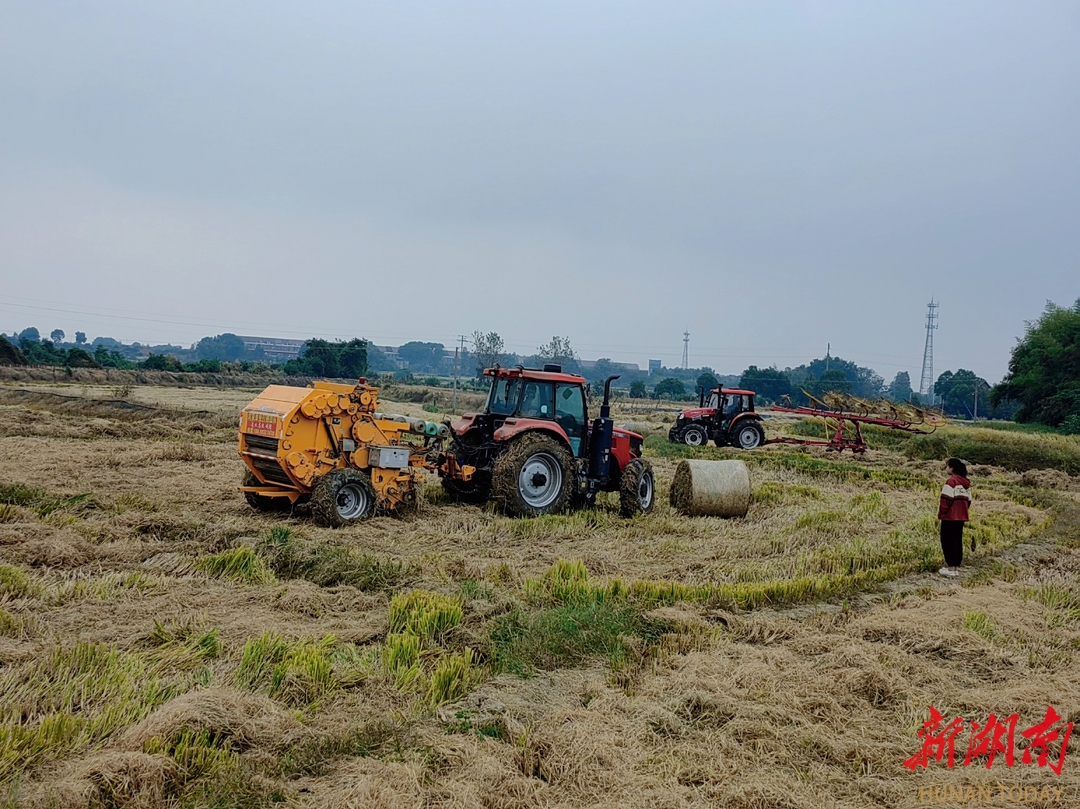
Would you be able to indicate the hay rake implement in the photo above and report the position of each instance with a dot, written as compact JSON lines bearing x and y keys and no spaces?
{"x":848,"y":410}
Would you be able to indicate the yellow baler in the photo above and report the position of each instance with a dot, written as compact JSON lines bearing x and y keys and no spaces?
{"x":328,"y":443}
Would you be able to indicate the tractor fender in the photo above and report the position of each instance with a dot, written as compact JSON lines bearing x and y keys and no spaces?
{"x":511,"y":428}
{"x":464,"y":424}
{"x":740,"y":419}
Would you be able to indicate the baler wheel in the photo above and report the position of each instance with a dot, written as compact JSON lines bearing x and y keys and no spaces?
{"x":637,"y":489}
{"x":342,"y":497}
{"x":533,"y":476}
{"x":260,"y":502}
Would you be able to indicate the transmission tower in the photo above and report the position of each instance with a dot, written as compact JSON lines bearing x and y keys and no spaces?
{"x":685,"y":350}
{"x":926,"y":383}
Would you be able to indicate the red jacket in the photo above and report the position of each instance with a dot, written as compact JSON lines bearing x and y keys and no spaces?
{"x":955,"y":499}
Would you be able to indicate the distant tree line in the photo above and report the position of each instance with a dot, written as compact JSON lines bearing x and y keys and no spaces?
{"x":224,"y":353}
{"x":1042,"y":385}
{"x":1044,"y":371}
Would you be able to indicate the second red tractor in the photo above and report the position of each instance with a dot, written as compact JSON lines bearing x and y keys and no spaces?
{"x":727,"y":417}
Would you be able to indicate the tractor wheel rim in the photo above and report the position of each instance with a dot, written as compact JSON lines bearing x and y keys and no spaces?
{"x":645,"y":491}
{"x":540,"y":480}
{"x":351,"y":501}
{"x":748,"y":438}
{"x":694,"y":438}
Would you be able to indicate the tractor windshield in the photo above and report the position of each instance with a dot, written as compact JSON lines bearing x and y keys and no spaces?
{"x":503,"y":399}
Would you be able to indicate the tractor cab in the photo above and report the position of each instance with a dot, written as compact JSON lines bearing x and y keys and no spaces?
{"x":524,"y":394}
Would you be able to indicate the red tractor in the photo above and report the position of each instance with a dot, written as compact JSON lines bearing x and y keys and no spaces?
{"x":728,"y":418}
{"x":534,"y":451}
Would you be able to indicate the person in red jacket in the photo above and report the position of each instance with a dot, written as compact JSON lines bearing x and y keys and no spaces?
{"x":953,"y":513}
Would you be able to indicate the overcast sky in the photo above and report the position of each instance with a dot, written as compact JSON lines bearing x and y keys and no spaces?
{"x":772,"y":177}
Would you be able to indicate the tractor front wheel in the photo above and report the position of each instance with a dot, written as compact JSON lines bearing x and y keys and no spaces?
{"x":342,"y":497}
{"x":637,"y":489}
{"x":695,"y":436}
{"x":533,"y":476}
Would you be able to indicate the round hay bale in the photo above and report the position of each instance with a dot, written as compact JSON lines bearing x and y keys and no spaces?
{"x":711,"y":489}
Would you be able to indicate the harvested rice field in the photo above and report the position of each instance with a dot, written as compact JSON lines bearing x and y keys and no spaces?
{"x":163,"y":645}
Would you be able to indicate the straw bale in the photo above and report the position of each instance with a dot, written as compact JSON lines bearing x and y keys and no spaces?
{"x":711,"y":488}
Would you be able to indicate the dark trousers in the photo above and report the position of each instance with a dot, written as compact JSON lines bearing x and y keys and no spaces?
{"x":952,"y":541}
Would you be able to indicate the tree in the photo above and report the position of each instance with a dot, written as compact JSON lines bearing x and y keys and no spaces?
{"x":669,"y":388}
{"x":10,"y":354}
{"x":27,"y":336}
{"x":422,"y":356}
{"x":487,"y":350}
{"x":78,"y":358}
{"x":638,"y":389}
{"x":832,"y":381}
{"x":957,"y":394}
{"x":57,"y":335}
{"x":161,"y":362}
{"x":1044,"y":370}
{"x":602,"y":369}
{"x":223,"y":347}
{"x":900,"y":387}
{"x":707,"y":380}
{"x":769,"y":384}
{"x":337,"y":360}
{"x":559,"y":352}
{"x":80,"y":337}
{"x":863,"y":382}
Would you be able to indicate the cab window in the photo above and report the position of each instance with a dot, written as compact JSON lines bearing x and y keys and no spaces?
{"x":537,"y":401}
{"x":733,"y":405}
{"x":504,"y":396}
{"x":711,"y":402}
{"x":570,"y":414}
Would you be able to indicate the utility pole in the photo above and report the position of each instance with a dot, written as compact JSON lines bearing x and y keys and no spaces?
{"x":686,"y":350}
{"x":976,"y":416}
{"x":926,"y":381}
{"x":458,"y":352}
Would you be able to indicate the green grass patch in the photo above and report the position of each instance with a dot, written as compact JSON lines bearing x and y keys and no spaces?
{"x":525,"y":640}
{"x":42,"y":502}
{"x":1012,"y":450}
{"x":72,"y":699}
{"x":16,"y":583}
{"x":299,"y":673}
{"x":427,"y":615}
{"x":327,"y":565}
{"x":241,"y":565}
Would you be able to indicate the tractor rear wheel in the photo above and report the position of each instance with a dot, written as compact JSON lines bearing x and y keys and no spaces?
{"x":533,"y":476}
{"x":637,"y":489}
{"x":342,"y":497}
{"x":695,"y":436}
{"x":749,"y":435}
{"x":261,"y":502}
